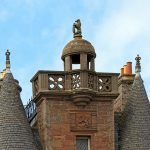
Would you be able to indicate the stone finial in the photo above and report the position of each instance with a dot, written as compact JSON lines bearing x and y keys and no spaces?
{"x":7,"y":61}
{"x":138,"y":65}
{"x":77,"y":29}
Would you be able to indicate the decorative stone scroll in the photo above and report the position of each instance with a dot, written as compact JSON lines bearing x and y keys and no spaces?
{"x":104,"y":84}
{"x":83,"y":121}
{"x":35,"y":87}
{"x":56,"y":82}
{"x":76,"y":81}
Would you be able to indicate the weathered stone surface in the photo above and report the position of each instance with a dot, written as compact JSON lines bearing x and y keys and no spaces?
{"x":125,"y":84}
{"x":56,"y":115}
{"x":77,"y":46}
{"x":15,"y":132}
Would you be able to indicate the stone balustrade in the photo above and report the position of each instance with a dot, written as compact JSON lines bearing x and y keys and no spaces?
{"x":73,"y":80}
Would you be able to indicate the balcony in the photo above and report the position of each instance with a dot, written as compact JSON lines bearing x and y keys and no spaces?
{"x":61,"y":81}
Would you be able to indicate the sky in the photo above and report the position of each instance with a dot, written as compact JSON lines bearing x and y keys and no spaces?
{"x":36,"y":31}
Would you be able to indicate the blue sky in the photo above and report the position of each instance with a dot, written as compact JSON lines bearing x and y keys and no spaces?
{"x":36,"y":31}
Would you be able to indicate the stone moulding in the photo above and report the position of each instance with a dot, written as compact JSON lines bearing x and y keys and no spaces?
{"x":82,"y":97}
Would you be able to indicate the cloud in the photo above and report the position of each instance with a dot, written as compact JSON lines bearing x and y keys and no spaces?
{"x":120,"y":29}
{"x":4,"y":15}
{"x":120,"y":36}
{"x":92,"y":5}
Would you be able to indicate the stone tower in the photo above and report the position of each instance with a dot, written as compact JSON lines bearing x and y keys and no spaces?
{"x":75,"y":106}
{"x":136,"y":116}
{"x":15,"y":132}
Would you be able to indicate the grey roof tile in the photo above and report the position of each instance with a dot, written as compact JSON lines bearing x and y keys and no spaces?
{"x":136,"y":118}
{"x":15,"y":132}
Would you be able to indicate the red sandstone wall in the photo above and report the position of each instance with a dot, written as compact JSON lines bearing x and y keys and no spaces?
{"x":61,"y":121}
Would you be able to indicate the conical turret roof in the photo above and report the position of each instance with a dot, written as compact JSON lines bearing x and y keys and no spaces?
{"x":15,"y":131}
{"x":136,"y":117}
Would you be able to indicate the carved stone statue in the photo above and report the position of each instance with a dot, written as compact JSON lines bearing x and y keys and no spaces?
{"x":77,"y":28}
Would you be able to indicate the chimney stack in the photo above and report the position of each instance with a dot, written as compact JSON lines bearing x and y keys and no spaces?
{"x":127,"y":69}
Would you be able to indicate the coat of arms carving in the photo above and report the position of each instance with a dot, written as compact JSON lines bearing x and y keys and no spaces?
{"x":83,"y":120}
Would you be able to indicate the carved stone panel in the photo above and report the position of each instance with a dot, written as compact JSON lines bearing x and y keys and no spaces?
{"x":104,"y":84}
{"x":76,"y":81}
{"x":83,"y":121}
{"x":56,"y":82}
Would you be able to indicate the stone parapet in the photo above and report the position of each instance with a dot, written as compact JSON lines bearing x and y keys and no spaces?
{"x":74,"y":80}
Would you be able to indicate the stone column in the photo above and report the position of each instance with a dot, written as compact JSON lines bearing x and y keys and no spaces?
{"x":92,"y":64}
{"x":83,"y":61}
{"x":68,"y":63}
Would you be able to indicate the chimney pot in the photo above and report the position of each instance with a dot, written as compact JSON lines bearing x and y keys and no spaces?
{"x":129,"y":68}
{"x":125,"y":69}
{"x":122,"y":71}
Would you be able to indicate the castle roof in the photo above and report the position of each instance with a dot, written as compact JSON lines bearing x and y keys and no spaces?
{"x":15,"y":131}
{"x":136,"y":117}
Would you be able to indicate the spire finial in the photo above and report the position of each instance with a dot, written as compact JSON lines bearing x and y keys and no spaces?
{"x":7,"y":61}
{"x":138,"y":65}
{"x":77,"y":29}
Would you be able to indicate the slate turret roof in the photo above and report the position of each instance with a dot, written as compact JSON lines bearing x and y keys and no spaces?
{"x":136,"y":116}
{"x":15,"y":132}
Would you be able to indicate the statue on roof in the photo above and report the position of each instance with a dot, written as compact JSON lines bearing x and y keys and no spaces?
{"x":77,"y":28}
